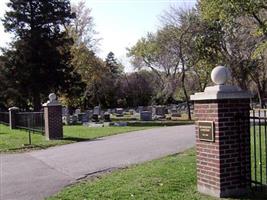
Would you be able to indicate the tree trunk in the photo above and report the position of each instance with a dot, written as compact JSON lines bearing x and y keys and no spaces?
{"x":186,"y":95}
{"x":187,"y":102}
{"x":97,"y":94}
{"x":260,"y":93}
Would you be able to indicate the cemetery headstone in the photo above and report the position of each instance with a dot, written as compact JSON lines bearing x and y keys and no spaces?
{"x":140,"y":109}
{"x":107,"y":117}
{"x":65,"y":115}
{"x":80,"y":117}
{"x":65,"y":111}
{"x":148,"y":108}
{"x":146,"y":116}
{"x":73,"y":119}
{"x":97,"y":110}
{"x":160,"y":110}
{"x":90,"y":113}
{"x":173,"y":110}
{"x":175,"y":116}
{"x":65,"y":120}
{"x":95,"y":118}
{"x":132,"y":111}
{"x":85,"y":117}
{"x":119,"y":112}
{"x":102,"y":113}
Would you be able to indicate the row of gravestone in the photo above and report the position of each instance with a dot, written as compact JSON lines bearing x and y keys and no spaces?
{"x":85,"y":117}
{"x":147,"y":113}
{"x":156,"y":110}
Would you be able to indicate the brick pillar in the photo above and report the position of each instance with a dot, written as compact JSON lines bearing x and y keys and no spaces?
{"x":222,"y":138}
{"x":223,"y":165}
{"x":12,"y":117}
{"x":53,"y":118}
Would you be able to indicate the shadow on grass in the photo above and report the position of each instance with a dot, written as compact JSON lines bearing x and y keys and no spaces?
{"x":159,"y":123}
{"x":3,"y":133}
{"x":29,"y":147}
{"x":77,"y":139}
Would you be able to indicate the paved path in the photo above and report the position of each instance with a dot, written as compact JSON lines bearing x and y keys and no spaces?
{"x":39,"y":174}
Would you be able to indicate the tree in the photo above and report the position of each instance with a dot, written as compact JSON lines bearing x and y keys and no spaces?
{"x":112,"y":64}
{"x":91,"y":68}
{"x":207,"y":43}
{"x":81,"y":29}
{"x":137,"y":88}
{"x":38,"y":61}
{"x":173,"y":52}
{"x":229,"y":11}
{"x":244,"y":43}
{"x":5,"y":88}
{"x":152,"y":52}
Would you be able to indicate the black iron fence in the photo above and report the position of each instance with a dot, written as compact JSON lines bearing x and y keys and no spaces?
{"x":4,"y":118}
{"x":32,"y":121}
{"x":258,"y":132}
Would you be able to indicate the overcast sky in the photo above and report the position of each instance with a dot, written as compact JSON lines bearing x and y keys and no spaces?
{"x":120,"y":23}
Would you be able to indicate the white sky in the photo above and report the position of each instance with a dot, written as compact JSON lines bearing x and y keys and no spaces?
{"x":120,"y":23}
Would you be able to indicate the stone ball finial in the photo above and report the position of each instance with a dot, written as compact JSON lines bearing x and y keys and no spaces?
{"x":52,"y":97}
{"x":220,"y":75}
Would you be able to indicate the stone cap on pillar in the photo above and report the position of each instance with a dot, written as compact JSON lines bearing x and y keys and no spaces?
{"x":219,"y":76}
{"x":52,"y":100}
{"x":13,"y":108}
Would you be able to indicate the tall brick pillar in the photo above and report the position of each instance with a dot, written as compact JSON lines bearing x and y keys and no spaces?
{"x":12,"y":117}
{"x":222,"y":140}
{"x":53,"y":118}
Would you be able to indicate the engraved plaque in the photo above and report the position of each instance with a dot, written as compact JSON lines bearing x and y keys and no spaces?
{"x":206,"y":131}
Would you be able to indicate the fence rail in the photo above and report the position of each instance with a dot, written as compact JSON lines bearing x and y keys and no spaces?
{"x":258,"y":132}
{"x":4,"y":118}
{"x":32,"y":121}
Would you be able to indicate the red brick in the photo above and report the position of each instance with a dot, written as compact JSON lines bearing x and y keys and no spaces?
{"x":220,"y":159}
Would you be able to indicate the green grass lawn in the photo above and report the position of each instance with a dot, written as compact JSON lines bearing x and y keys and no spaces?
{"x":17,"y":140}
{"x":258,"y":154}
